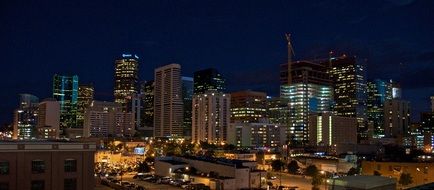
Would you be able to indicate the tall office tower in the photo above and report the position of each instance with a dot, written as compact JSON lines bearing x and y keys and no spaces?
{"x":329,"y":130}
{"x":187,"y":99}
{"x":26,"y":117}
{"x":378,"y":92}
{"x":278,"y":111}
{"x":308,"y":88}
{"x":309,"y":92}
{"x":134,"y":105}
{"x":85,"y":98}
{"x":349,"y":84}
{"x":396,"y":118}
{"x":208,"y":79}
{"x":65,"y":90}
{"x":103,"y":119}
{"x":211,"y":117}
{"x":432,"y":103}
{"x":248,"y":106}
{"x":48,"y":119}
{"x":396,"y":90}
{"x":147,"y":117}
{"x":168,"y":114}
{"x":126,"y":76}
{"x":427,"y":122}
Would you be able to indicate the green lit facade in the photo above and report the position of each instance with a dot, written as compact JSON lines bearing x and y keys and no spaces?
{"x":305,"y":98}
{"x":65,"y":91}
{"x":310,"y":91}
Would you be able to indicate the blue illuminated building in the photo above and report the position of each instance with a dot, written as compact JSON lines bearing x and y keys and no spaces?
{"x":65,"y":90}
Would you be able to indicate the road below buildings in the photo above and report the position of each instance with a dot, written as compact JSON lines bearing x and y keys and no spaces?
{"x":303,"y":183}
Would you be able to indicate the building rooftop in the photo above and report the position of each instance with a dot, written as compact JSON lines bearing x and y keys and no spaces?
{"x":428,"y":186}
{"x":362,"y":181}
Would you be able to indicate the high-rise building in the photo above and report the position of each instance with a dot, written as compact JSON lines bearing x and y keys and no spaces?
{"x":349,"y":83}
{"x":326,"y":129}
{"x":187,"y":99}
{"x":211,"y":117}
{"x":248,"y":106}
{"x":48,"y":119}
{"x":168,"y":106}
{"x":147,"y":91}
{"x":65,"y":91}
{"x":257,"y":135}
{"x":85,"y":98}
{"x":310,"y":91}
{"x":378,"y":92}
{"x":126,"y":77}
{"x":26,"y":117}
{"x":396,"y":118}
{"x":103,"y":119}
{"x":208,"y":79}
{"x":432,"y":103}
{"x":135,"y":107}
{"x":427,"y":122}
{"x":278,"y":110}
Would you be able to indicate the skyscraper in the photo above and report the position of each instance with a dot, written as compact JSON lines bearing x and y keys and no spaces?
{"x":278,"y":110}
{"x":187,"y":98}
{"x":48,"y":119}
{"x":168,"y":103}
{"x":147,"y":91}
{"x":248,"y":106}
{"x":396,"y":118}
{"x":85,"y":98}
{"x":432,"y":103}
{"x":26,"y":117}
{"x":378,"y":92}
{"x":65,"y":90}
{"x":310,"y":91}
{"x":126,"y":77}
{"x":349,"y":84}
{"x":208,"y":79}
{"x":211,"y":117}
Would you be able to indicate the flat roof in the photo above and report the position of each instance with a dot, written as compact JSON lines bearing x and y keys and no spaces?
{"x":362,"y":181}
{"x":46,"y":145}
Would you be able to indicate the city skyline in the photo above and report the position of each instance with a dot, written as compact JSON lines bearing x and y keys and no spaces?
{"x":211,"y":38}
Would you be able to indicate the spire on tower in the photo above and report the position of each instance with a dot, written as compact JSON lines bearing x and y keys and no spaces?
{"x":290,"y":54}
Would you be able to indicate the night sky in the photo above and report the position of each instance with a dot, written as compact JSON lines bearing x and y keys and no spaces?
{"x":244,"y":40}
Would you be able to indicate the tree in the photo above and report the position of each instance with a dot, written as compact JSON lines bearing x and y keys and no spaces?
{"x":143,"y":167}
{"x":316,"y":181}
{"x":353,"y":171}
{"x":377,"y":173}
{"x":311,"y":171}
{"x":405,"y":179}
{"x":293,"y":167}
{"x":276,"y":165}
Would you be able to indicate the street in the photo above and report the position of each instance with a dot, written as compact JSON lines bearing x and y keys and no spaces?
{"x":294,"y":181}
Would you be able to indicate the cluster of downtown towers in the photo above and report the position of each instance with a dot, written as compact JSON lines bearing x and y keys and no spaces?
{"x":198,"y":107}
